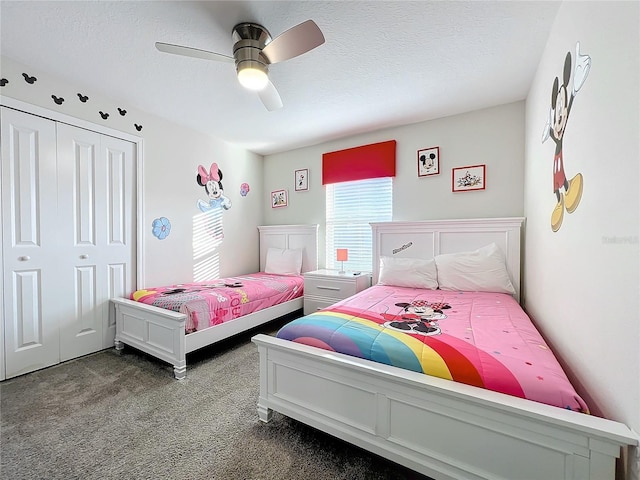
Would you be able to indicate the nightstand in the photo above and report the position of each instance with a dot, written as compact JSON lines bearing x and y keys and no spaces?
{"x":326,"y":287}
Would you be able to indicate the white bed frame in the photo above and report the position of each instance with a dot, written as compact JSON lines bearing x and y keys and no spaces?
{"x":437,"y":427}
{"x":161,"y":332}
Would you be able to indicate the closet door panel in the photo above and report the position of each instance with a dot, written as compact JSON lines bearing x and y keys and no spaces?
{"x":31,"y":287}
{"x":116,"y":235}
{"x":80,"y":193}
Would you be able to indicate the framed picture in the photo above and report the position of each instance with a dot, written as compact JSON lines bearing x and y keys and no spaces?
{"x":428,"y":161}
{"x":279,"y":198}
{"x":468,"y":178}
{"x":302,"y":180}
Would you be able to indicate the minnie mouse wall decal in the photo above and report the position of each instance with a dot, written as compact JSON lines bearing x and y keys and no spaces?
{"x":561,"y":104}
{"x":212,"y":182}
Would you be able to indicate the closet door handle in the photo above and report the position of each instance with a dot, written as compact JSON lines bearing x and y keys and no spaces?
{"x":24,"y":258}
{"x":84,"y":256}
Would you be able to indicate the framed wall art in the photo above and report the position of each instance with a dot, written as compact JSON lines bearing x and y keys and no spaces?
{"x":468,"y":178}
{"x":428,"y":161}
{"x":302,"y":180}
{"x":279,"y":199}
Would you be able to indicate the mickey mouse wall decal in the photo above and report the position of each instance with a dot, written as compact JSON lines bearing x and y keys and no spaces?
{"x":561,"y":105}
{"x":122,"y":111}
{"x":28,"y":79}
{"x":83,"y":98}
{"x":3,"y":82}
{"x":57,"y":100}
{"x":104,"y":115}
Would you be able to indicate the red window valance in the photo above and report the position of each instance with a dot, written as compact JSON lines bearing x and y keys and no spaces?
{"x":358,"y":163}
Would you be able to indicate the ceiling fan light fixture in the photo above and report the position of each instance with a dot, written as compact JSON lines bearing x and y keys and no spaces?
{"x":254,"y":50}
{"x":253,"y":77}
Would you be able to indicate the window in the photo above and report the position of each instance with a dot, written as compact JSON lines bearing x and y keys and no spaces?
{"x":350,"y":208}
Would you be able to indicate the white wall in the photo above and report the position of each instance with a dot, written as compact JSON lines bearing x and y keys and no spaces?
{"x":493,"y":136}
{"x":582,"y":282}
{"x":171,"y":157}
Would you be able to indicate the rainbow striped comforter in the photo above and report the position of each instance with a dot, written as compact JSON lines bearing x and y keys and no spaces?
{"x":481,"y":339}
{"x":211,"y":303}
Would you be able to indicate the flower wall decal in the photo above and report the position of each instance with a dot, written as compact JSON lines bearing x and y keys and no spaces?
{"x":161,"y":228}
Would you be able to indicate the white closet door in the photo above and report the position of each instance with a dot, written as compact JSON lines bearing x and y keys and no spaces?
{"x":96,"y":182}
{"x":117,"y":235}
{"x":31,"y":286}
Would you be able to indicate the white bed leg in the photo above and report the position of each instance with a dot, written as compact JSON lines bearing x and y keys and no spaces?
{"x":265,"y":414}
{"x":180,"y":371}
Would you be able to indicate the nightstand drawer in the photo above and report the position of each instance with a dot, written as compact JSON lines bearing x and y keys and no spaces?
{"x":329,"y":287}
{"x":314,"y":304}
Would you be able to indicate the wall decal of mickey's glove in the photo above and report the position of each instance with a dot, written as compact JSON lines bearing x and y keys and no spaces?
{"x":547,"y":127}
{"x":583,"y":65}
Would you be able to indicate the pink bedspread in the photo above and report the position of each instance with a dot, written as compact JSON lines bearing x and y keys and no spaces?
{"x":210,"y":303}
{"x":481,"y":339}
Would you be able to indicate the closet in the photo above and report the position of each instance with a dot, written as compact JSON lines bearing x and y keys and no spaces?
{"x":68,"y":238}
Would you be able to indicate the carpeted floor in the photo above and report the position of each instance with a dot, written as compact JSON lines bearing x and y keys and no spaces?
{"x":110,"y":416}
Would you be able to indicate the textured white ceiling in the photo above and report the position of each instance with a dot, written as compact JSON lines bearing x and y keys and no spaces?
{"x":383,"y":64}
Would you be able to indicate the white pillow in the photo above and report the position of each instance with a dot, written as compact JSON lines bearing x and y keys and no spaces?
{"x":408,"y":272}
{"x":282,"y":261}
{"x":483,"y":270}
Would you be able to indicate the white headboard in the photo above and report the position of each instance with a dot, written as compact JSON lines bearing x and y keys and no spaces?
{"x":291,"y":236}
{"x":427,"y":239}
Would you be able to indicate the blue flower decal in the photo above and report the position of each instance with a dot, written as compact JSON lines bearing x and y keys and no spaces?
{"x":161,"y":228}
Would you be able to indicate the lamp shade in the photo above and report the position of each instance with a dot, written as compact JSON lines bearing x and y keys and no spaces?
{"x":342,"y":254}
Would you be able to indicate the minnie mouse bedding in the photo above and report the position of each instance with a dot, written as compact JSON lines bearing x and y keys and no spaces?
{"x":477,"y":338}
{"x":211,"y":303}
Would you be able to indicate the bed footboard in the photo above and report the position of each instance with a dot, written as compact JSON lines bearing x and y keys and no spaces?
{"x":437,"y":427}
{"x":153,"y":330}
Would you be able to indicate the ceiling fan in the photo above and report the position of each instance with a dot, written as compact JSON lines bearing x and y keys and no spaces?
{"x":254,"y":51}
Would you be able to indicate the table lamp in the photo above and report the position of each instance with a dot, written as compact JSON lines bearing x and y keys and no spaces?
{"x":342,"y":255}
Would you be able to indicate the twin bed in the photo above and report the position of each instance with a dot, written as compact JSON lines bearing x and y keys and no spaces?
{"x":180,"y":319}
{"x":357,"y":369}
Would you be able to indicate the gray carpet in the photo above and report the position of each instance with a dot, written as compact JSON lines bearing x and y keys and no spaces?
{"x":110,"y":416}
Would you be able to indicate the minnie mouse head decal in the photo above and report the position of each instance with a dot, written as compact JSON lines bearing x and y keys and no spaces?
{"x":28,"y":79}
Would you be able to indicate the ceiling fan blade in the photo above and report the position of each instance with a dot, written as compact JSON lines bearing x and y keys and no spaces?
{"x":295,"y":41}
{"x":270,"y":97}
{"x":193,"y":52}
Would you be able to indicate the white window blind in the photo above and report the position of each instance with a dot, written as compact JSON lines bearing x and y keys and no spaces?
{"x":350,"y":208}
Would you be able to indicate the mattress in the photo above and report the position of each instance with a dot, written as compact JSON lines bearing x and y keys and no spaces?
{"x":210,"y":303}
{"x":480,"y":339}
